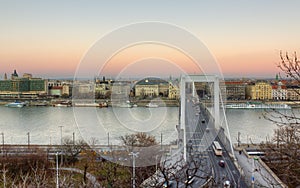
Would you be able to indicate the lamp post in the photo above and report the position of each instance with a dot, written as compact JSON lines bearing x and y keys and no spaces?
{"x":61,"y":134}
{"x":161,"y":140}
{"x":247,"y":141}
{"x":2,"y":143}
{"x":61,"y":143}
{"x":108,"y":139}
{"x":28,"y":139}
{"x":134,"y":155}
{"x":156,"y":162}
{"x":253,"y":169}
{"x":57,"y":183}
{"x":239,"y":141}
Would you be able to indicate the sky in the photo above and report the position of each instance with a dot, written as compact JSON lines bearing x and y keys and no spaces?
{"x":53,"y":38}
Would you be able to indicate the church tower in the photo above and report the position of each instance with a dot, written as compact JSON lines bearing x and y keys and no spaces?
{"x":14,"y":75}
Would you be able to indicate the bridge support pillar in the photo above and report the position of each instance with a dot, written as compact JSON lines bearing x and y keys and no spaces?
{"x":216,"y":90}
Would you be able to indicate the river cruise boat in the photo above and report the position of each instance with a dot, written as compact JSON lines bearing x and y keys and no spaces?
{"x":257,"y":106}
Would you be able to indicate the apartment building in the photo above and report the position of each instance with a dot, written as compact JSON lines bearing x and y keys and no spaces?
{"x":259,"y":91}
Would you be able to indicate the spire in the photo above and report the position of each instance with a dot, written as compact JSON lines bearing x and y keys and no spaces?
{"x":5,"y":76}
{"x":14,"y":75}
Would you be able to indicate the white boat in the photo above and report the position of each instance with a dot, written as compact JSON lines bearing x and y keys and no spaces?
{"x":63,"y":104}
{"x":152,"y":105}
{"x":124,"y":105}
{"x":86,"y":105}
{"x":257,"y":106}
{"x":16,"y":104}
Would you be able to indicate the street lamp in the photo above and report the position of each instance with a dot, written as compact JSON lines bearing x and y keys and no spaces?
{"x":60,"y":134}
{"x":2,"y":142}
{"x":161,"y":140}
{"x":57,"y":183}
{"x":156,"y":162}
{"x":28,"y":139}
{"x":253,"y":169}
{"x":239,"y":142}
{"x":73,"y":138}
{"x":61,"y":143}
{"x":108,"y":139}
{"x":134,"y":155}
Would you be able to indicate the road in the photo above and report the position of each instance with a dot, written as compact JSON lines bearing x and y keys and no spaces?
{"x":200,"y":133}
{"x":261,"y":177}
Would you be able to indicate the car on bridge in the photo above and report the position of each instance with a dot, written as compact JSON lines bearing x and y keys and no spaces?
{"x":222,"y":163}
{"x":189,"y":180}
{"x":226,"y":184}
{"x":171,"y":184}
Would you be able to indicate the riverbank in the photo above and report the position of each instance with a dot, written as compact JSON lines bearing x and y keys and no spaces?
{"x":97,"y":103}
{"x":144,"y":102}
{"x":293,"y":104}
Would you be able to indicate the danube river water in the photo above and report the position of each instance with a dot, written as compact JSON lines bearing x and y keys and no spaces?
{"x":46,"y":125}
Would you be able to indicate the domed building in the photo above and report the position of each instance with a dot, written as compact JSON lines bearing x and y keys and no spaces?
{"x":151,"y":87}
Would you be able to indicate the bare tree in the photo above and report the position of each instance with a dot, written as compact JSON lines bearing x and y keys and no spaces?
{"x":140,"y":139}
{"x":4,"y":174}
{"x":148,"y":150}
{"x":72,"y":150}
{"x":283,"y":151}
{"x":39,"y":175}
{"x":176,"y":172}
{"x":290,"y":66}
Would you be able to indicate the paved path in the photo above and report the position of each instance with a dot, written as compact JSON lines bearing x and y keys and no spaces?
{"x":89,"y":176}
{"x":251,"y":167}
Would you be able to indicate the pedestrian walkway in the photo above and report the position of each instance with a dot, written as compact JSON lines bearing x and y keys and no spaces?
{"x":90,"y":177}
{"x":255,"y":171}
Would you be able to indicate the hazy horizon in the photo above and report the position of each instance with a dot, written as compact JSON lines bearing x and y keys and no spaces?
{"x":133,"y":77}
{"x":51,"y":38}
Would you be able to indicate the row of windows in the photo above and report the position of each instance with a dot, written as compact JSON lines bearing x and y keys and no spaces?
{"x":22,"y":85}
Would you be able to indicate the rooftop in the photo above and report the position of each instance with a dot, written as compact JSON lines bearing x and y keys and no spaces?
{"x":152,"y":81}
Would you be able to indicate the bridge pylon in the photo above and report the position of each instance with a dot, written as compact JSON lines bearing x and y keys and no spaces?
{"x":191,"y":79}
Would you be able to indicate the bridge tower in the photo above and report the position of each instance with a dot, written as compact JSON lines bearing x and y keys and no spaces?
{"x":191,"y":79}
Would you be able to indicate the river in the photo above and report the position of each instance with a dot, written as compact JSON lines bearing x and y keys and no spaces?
{"x":46,"y":125}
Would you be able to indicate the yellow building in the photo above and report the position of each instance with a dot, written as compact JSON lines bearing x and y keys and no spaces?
{"x":259,"y":91}
{"x":293,"y":94}
{"x":101,"y":88}
{"x":151,"y":87}
{"x":146,"y":90}
{"x":174,"y":92}
{"x":66,"y":90}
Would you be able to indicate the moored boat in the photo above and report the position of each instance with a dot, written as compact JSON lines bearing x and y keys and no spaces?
{"x":103,"y":105}
{"x":124,"y":105}
{"x":16,"y":104}
{"x":257,"y":106}
{"x":86,"y":104}
{"x":151,"y":105}
{"x":63,"y":104}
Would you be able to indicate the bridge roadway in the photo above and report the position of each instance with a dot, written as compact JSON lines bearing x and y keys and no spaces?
{"x":200,"y":133}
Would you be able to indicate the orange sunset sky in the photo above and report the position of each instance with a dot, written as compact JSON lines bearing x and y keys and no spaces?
{"x":50,"y":38}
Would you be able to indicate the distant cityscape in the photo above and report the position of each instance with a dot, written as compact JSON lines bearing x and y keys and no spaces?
{"x":27,"y":87}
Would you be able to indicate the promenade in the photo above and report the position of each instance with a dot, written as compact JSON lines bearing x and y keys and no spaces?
{"x":256,"y":173}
